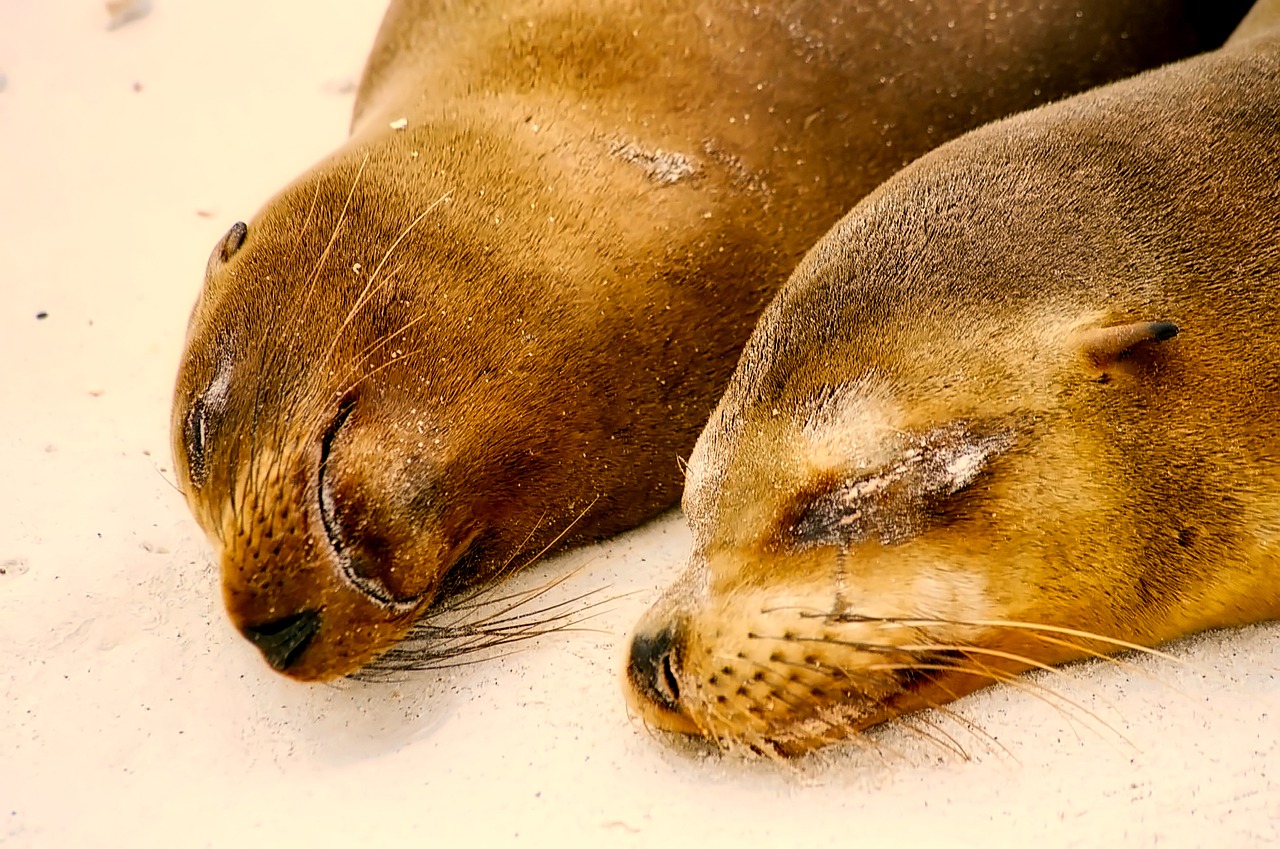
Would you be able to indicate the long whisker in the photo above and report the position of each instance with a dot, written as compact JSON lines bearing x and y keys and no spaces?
{"x":1002,"y":655}
{"x":924,"y":622}
{"x":403,"y":358}
{"x":1032,"y":689}
{"x":277,"y":360}
{"x":549,"y":613}
{"x":951,"y":744}
{"x":514,"y":601}
{"x":369,"y":288}
{"x":1018,"y":682}
{"x":500,"y":624}
{"x":1128,"y":666}
{"x":356,"y":369}
{"x":484,"y":593}
{"x":306,"y":223}
{"x":973,"y":728}
{"x":432,"y":641}
{"x":970,"y":650}
{"x":502,"y":572}
{"x":450,"y":650}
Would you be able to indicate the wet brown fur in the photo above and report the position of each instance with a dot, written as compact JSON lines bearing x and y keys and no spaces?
{"x":1075,"y":307}
{"x":487,"y":325}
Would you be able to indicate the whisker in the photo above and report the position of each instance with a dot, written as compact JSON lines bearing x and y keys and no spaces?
{"x":306,"y":223}
{"x":970,"y":650}
{"x":277,"y":360}
{"x":361,"y":359}
{"x":1128,"y":666}
{"x":973,"y":728}
{"x":300,"y":311}
{"x":482,"y":594}
{"x":514,"y":600}
{"x":1018,"y":682}
{"x":1030,"y":688}
{"x":524,"y":620}
{"x":951,"y":744}
{"x":453,"y":629}
{"x":369,"y":289}
{"x":449,"y":650}
{"x":869,"y":648}
{"x":349,"y":387}
{"x":924,"y":622}
{"x":475,"y":599}
{"x":373,"y":674}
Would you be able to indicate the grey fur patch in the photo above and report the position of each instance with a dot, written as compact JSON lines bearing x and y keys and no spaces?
{"x":664,"y":167}
{"x":893,"y":504}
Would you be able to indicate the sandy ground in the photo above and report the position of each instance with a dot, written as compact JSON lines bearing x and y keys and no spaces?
{"x":133,"y":716}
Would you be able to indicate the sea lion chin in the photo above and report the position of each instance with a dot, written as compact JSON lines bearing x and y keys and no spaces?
{"x":488,"y":324}
{"x":1016,"y":409}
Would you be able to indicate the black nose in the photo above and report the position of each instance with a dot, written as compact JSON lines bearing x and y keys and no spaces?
{"x":653,"y":668}
{"x":284,"y":640}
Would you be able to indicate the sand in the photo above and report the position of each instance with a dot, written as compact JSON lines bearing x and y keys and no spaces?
{"x":133,"y":715}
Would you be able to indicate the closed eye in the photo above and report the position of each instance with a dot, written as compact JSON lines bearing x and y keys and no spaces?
{"x":200,"y":427}
{"x":902,"y":500}
{"x":195,"y":435}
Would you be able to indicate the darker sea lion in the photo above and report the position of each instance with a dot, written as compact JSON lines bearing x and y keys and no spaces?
{"x":490,"y":322}
{"x":1019,"y":407}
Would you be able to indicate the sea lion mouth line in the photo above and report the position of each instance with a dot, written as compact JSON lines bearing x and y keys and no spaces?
{"x":333,"y":531}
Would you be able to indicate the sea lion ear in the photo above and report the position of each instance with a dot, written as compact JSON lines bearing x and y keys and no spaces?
{"x":1104,"y":348}
{"x":226,"y":247}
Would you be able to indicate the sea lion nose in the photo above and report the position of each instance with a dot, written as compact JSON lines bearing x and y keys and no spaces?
{"x":283,"y":641}
{"x":654,"y":667}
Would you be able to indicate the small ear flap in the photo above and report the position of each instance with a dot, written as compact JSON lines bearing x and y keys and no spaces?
{"x":1103,"y":348}
{"x":226,"y":247}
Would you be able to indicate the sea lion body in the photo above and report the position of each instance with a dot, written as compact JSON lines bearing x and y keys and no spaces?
{"x":1019,"y":407}
{"x":489,"y":323}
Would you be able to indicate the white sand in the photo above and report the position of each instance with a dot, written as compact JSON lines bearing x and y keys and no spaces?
{"x":133,"y":716}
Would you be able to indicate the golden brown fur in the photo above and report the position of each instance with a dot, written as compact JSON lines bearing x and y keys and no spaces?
{"x":1018,"y":407}
{"x":489,"y":323}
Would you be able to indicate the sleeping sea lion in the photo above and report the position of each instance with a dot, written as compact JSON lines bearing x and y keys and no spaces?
{"x":1019,"y":407}
{"x":487,"y":325}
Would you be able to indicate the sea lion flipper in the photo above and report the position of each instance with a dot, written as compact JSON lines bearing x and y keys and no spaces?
{"x":1103,"y":347}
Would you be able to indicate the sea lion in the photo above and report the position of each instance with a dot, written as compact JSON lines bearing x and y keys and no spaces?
{"x":1017,"y":408}
{"x":489,"y":323}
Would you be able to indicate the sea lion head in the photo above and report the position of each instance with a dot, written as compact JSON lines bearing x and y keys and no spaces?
{"x":890,"y":505}
{"x":335,"y":428}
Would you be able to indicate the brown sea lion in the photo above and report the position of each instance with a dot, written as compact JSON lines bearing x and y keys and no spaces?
{"x":1019,"y":407}
{"x":489,"y":323}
